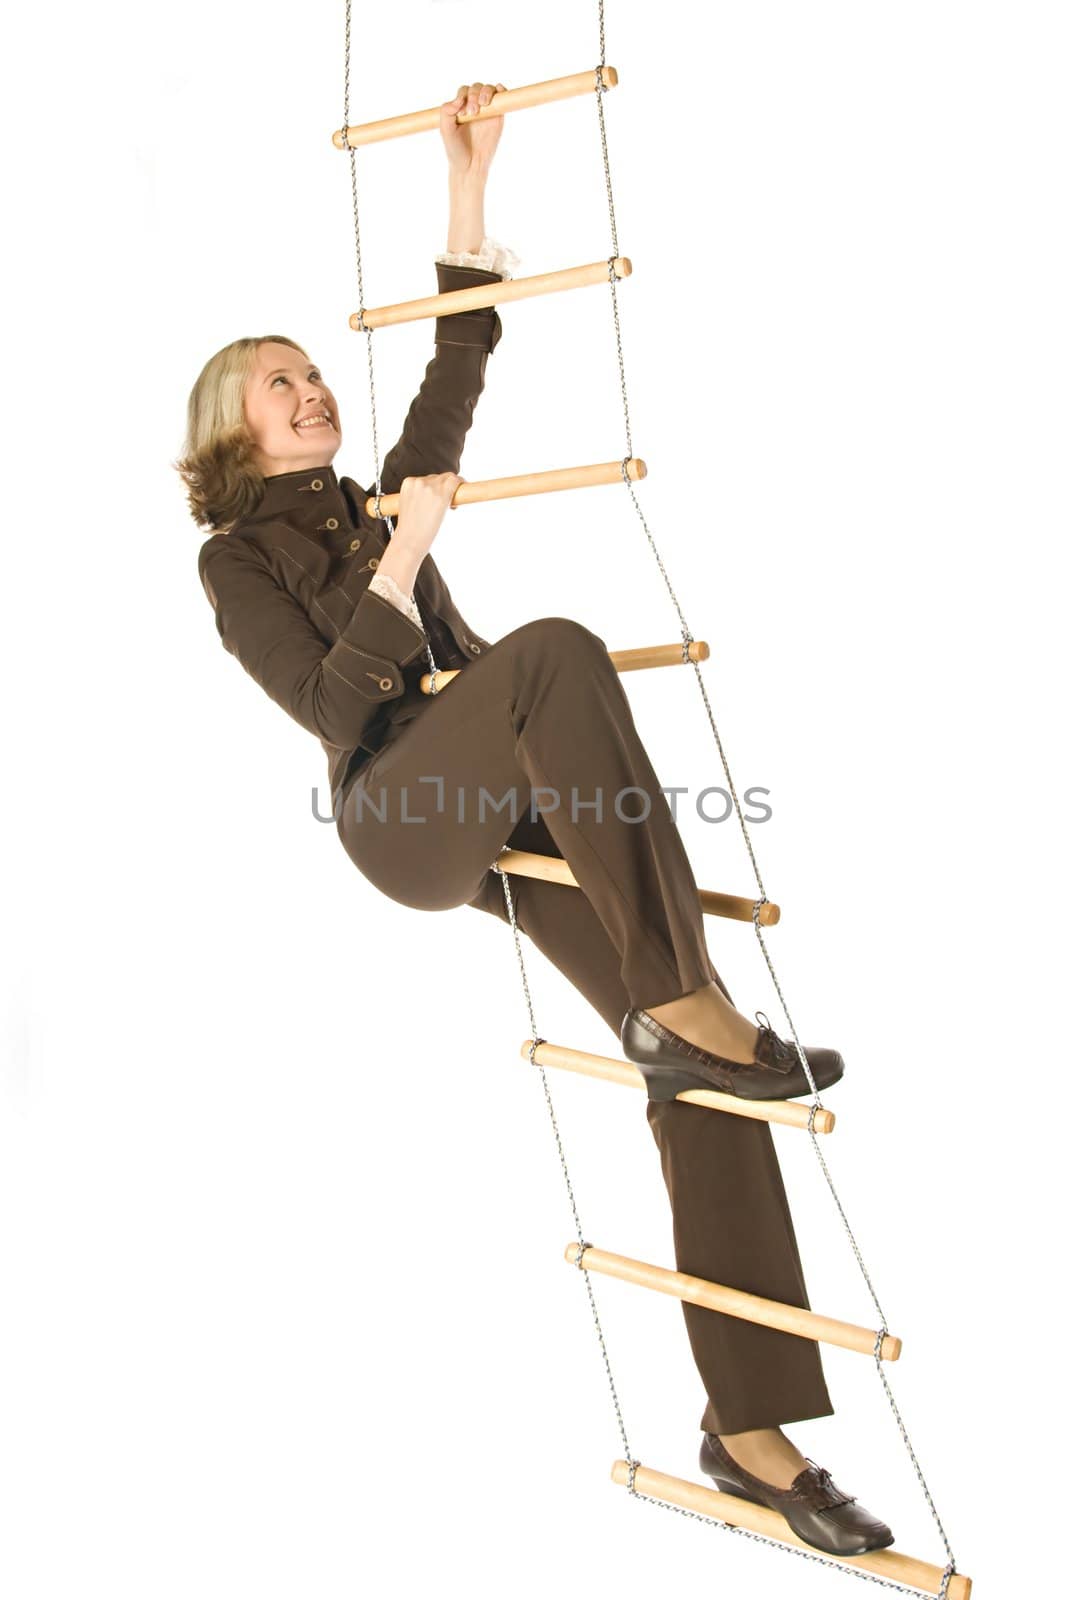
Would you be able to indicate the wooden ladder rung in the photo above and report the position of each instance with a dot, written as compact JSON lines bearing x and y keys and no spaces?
{"x":737,"y":1302}
{"x":627,"y":1075}
{"x":490,"y":294}
{"x":469,"y":494}
{"x":658,"y":655}
{"x":729,"y":1508}
{"x":530,"y":94}
{"x":554,"y":869}
{"x":649,"y":655}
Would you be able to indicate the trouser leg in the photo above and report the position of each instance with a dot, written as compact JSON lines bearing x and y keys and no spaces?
{"x":549,"y":710}
{"x":730,"y":1215}
{"x":544,"y":711}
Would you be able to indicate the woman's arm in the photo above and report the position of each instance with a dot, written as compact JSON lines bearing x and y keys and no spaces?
{"x":470,"y":147}
{"x":440,"y":415}
{"x":436,"y":424}
{"x":334,"y":691}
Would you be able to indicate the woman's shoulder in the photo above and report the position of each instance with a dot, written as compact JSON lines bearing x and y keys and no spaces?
{"x":291,"y":555}
{"x":233,"y":539}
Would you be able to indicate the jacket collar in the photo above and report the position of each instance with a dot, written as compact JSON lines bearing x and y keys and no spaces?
{"x":304,"y":491}
{"x":311,"y":500}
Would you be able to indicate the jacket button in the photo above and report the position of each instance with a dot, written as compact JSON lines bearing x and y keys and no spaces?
{"x":374,"y":562}
{"x":475,"y":648}
{"x":317,"y":484}
{"x":356,"y":544}
{"x":332,"y":523}
{"x":386,"y":683}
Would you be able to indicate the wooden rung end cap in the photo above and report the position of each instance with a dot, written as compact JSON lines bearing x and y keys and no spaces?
{"x":738,"y":907}
{"x":640,"y":657}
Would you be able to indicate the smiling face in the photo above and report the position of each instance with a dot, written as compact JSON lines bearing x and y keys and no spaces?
{"x":286,"y":404}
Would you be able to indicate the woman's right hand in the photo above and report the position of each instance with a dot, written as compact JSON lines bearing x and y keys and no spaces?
{"x":422,"y":504}
{"x":471,"y":145}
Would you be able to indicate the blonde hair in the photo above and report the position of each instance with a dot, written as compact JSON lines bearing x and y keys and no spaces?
{"x":217,"y":464}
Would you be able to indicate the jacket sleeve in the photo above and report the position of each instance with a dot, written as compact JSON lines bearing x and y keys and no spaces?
{"x":337,"y":691}
{"x":333,"y":691}
{"x":440,"y":414}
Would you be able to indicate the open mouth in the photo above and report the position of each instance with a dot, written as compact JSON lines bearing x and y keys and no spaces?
{"x":309,"y":424}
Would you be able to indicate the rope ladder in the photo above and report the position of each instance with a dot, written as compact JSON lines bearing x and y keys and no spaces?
{"x":886,"y":1567}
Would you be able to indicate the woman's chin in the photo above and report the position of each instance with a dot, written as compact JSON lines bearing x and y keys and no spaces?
{"x":318,"y":452}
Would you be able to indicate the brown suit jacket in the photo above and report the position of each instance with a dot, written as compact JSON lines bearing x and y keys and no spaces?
{"x":289,"y":583}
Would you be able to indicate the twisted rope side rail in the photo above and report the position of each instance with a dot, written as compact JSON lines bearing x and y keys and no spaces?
{"x":535,"y":1038}
{"x":763,"y":898}
{"x":363,"y":327}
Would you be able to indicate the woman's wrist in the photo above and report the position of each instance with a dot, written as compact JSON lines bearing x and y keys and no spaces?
{"x":466,"y":209}
{"x":401,"y":560}
{"x":474,"y":175}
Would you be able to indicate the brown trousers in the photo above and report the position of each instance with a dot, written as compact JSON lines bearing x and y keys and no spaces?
{"x":534,"y":745}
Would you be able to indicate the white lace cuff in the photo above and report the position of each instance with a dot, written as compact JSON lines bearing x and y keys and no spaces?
{"x":389,"y":590}
{"x":492,"y":257}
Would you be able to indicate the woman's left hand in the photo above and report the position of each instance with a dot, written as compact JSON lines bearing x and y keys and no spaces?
{"x":470,"y":145}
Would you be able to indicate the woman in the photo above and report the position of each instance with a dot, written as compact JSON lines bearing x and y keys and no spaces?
{"x":337,"y":619}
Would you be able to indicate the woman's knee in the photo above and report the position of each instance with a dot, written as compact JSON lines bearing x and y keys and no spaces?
{"x":558,"y":637}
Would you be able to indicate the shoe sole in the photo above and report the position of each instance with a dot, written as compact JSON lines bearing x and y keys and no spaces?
{"x":664,"y":1083}
{"x":726,"y":1486}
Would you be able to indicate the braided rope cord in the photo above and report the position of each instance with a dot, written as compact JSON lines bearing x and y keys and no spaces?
{"x":363,"y":328}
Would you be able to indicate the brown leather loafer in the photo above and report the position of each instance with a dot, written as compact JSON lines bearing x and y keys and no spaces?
{"x":814,"y":1508}
{"x":670,"y":1064}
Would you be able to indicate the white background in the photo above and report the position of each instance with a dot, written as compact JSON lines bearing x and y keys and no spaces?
{"x":281,"y":1218}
